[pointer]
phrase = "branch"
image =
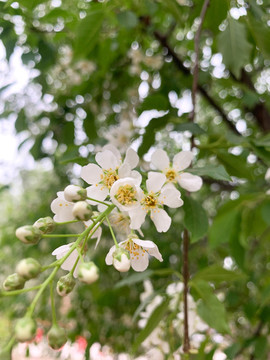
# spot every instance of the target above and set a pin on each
(178, 62)
(186, 345)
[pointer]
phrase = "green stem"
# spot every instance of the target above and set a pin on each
(98, 201)
(67, 222)
(85, 233)
(59, 235)
(111, 230)
(53, 264)
(18, 292)
(9, 346)
(54, 321)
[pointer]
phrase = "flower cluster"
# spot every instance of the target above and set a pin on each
(124, 197)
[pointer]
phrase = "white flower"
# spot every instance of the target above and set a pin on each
(139, 251)
(68, 264)
(174, 173)
(74, 193)
(126, 194)
(120, 135)
(62, 208)
(267, 175)
(110, 168)
(152, 202)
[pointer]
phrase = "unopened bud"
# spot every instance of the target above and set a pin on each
(45, 225)
(25, 329)
(88, 273)
(14, 282)
(28, 234)
(28, 268)
(121, 260)
(65, 285)
(75, 193)
(56, 337)
(82, 210)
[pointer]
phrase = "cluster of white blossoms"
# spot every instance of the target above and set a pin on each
(138, 58)
(114, 180)
(124, 197)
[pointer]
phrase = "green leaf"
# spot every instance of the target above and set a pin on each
(155, 102)
(134, 278)
(260, 33)
(216, 172)
(217, 274)
(209, 308)
(261, 347)
(195, 129)
(235, 165)
(234, 46)
(195, 220)
(222, 229)
(155, 318)
(86, 35)
(215, 14)
(265, 210)
(150, 133)
(127, 19)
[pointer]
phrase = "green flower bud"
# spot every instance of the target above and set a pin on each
(88, 273)
(28, 268)
(65, 285)
(82, 211)
(45, 225)
(56, 337)
(14, 282)
(74, 193)
(121, 259)
(28, 234)
(25, 329)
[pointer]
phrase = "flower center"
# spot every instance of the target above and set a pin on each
(134, 249)
(109, 177)
(126, 195)
(171, 175)
(150, 201)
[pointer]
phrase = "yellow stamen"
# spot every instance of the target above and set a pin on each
(126, 195)
(171, 175)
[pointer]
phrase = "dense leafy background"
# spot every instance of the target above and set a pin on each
(86, 78)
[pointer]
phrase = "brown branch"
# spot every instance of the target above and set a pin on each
(179, 64)
(186, 345)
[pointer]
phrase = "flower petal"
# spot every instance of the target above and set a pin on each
(137, 218)
(161, 220)
(107, 160)
(155, 252)
(132, 158)
(62, 250)
(182, 160)
(137, 176)
(109, 256)
(114, 150)
(97, 192)
(91, 173)
(62, 210)
(190, 182)
(155, 181)
(160, 159)
(140, 262)
(171, 197)
(124, 171)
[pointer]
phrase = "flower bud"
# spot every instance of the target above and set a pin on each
(28, 234)
(14, 282)
(82, 210)
(74, 193)
(25, 329)
(121, 260)
(45, 225)
(56, 337)
(28, 268)
(65, 285)
(88, 273)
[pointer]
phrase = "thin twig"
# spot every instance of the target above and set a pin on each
(197, 55)
(186, 345)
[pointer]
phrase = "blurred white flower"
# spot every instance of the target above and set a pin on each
(120, 135)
